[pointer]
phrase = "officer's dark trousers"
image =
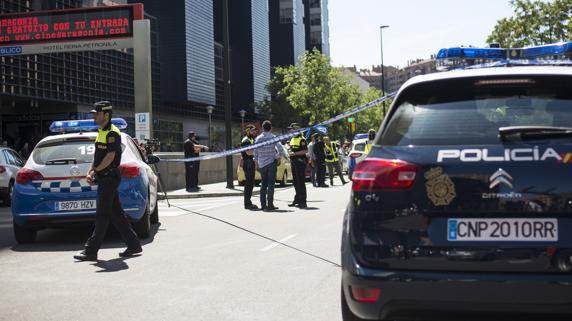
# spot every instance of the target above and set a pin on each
(299, 177)
(249, 172)
(320, 172)
(109, 211)
(192, 175)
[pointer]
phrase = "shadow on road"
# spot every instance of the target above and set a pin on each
(114, 265)
(62, 240)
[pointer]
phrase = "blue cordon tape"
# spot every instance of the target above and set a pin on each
(285, 136)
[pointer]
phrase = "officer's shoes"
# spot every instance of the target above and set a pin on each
(302, 205)
(270, 208)
(131, 252)
(293, 204)
(82, 256)
(324, 185)
(251, 207)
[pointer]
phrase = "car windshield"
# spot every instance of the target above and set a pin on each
(360, 147)
(465, 113)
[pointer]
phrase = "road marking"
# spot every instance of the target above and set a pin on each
(173, 211)
(275, 244)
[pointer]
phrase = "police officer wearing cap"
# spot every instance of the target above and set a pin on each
(249, 167)
(105, 171)
(298, 150)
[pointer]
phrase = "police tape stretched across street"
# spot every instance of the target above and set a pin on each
(285, 136)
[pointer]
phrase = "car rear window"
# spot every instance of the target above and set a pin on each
(359, 147)
(471, 111)
(80, 151)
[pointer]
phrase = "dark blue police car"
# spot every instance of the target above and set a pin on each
(463, 209)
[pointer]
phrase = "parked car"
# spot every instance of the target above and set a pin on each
(51, 190)
(283, 173)
(357, 154)
(10, 164)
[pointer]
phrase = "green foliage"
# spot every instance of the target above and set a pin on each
(314, 91)
(535, 22)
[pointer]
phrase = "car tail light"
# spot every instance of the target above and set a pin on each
(25, 175)
(2, 169)
(372, 175)
(355, 155)
(129, 170)
(365, 295)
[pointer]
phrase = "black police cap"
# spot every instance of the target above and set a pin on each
(102, 106)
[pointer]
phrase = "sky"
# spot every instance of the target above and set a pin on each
(418, 28)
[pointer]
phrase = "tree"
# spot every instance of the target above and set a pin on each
(535, 22)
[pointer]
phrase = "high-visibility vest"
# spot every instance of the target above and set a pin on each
(102, 134)
(367, 149)
(331, 150)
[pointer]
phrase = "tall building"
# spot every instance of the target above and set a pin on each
(250, 52)
(317, 25)
(287, 32)
(35, 90)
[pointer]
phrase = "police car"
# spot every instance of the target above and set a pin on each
(51, 189)
(463, 208)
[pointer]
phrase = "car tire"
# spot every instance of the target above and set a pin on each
(155, 215)
(347, 314)
(284, 179)
(7, 198)
(24, 235)
(143, 226)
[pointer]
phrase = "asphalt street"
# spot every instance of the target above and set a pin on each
(192, 268)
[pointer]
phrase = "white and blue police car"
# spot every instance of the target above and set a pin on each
(52, 191)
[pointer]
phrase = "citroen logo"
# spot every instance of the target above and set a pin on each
(500, 177)
(74, 171)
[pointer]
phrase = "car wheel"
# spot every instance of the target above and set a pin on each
(155, 215)
(347, 314)
(143, 226)
(284, 179)
(24, 235)
(7, 198)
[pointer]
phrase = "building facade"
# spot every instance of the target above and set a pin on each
(35, 90)
(317, 25)
(287, 32)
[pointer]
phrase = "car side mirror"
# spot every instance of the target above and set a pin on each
(152, 159)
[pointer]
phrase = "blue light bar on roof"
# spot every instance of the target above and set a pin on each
(558, 49)
(89, 125)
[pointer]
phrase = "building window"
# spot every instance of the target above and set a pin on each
(316, 37)
(219, 61)
(315, 3)
(315, 19)
(288, 11)
(170, 134)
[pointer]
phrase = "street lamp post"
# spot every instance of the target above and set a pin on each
(382, 66)
(242, 114)
(210, 112)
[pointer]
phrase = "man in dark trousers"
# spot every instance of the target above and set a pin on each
(320, 155)
(249, 167)
(298, 150)
(192, 149)
(105, 171)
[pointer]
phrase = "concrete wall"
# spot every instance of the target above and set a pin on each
(211, 171)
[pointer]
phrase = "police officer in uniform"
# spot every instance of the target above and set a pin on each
(105, 171)
(249, 167)
(298, 150)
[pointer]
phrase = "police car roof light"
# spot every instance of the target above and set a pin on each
(88, 125)
(558, 49)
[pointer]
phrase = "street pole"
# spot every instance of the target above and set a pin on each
(227, 101)
(382, 68)
(242, 114)
(210, 112)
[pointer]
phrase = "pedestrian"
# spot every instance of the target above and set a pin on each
(332, 160)
(320, 154)
(192, 149)
(370, 139)
(25, 151)
(249, 167)
(298, 150)
(312, 160)
(105, 171)
(267, 158)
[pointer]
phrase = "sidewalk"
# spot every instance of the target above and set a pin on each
(208, 190)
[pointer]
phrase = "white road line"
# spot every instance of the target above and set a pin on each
(275, 244)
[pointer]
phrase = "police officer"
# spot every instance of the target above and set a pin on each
(192, 149)
(369, 143)
(298, 150)
(331, 149)
(249, 167)
(105, 171)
